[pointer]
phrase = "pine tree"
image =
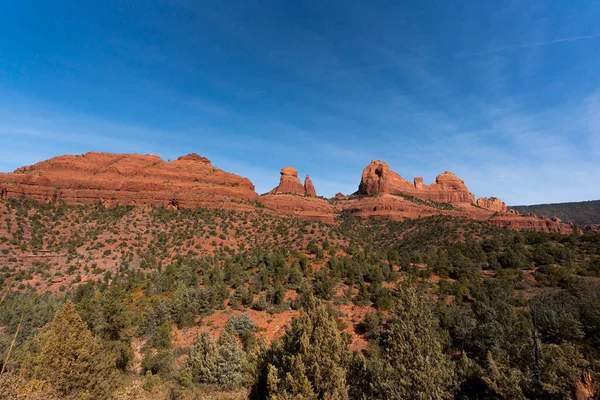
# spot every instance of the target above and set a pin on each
(71, 359)
(231, 364)
(414, 366)
(203, 360)
(311, 360)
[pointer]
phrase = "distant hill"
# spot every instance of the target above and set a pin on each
(580, 213)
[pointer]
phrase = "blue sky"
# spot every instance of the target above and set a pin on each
(506, 94)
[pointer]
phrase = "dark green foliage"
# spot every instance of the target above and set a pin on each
(580, 213)
(497, 296)
(71, 359)
(412, 362)
(221, 362)
(37, 309)
(310, 361)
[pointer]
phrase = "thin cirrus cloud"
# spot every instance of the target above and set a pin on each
(506, 97)
(528, 45)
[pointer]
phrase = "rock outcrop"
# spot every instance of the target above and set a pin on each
(492, 203)
(191, 181)
(308, 207)
(518, 222)
(378, 178)
(128, 179)
(584, 390)
(291, 197)
(289, 182)
(309, 188)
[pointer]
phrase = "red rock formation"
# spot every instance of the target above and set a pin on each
(308, 207)
(385, 206)
(591, 228)
(289, 182)
(309, 188)
(291, 197)
(377, 177)
(194, 157)
(530, 223)
(584, 389)
(392, 207)
(128, 179)
(492, 203)
(191, 181)
(339, 196)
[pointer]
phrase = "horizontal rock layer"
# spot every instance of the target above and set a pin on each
(191, 181)
(127, 179)
(378, 178)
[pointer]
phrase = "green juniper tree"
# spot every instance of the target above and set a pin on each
(412, 364)
(72, 360)
(311, 360)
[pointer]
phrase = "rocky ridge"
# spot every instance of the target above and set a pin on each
(128, 179)
(191, 181)
(378, 178)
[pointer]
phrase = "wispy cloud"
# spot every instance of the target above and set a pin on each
(528, 45)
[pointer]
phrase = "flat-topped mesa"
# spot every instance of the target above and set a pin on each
(492, 203)
(377, 177)
(309, 188)
(290, 183)
(127, 179)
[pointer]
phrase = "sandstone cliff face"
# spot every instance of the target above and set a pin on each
(127, 179)
(492, 203)
(378, 178)
(191, 181)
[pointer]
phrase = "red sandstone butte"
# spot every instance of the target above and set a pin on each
(289, 182)
(128, 179)
(191, 181)
(291, 197)
(378, 178)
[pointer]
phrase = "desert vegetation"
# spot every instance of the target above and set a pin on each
(149, 303)
(580, 213)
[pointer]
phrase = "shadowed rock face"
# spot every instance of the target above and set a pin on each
(127, 179)
(378, 178)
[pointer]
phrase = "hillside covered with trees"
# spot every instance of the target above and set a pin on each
(579, 213)
(148, 303)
